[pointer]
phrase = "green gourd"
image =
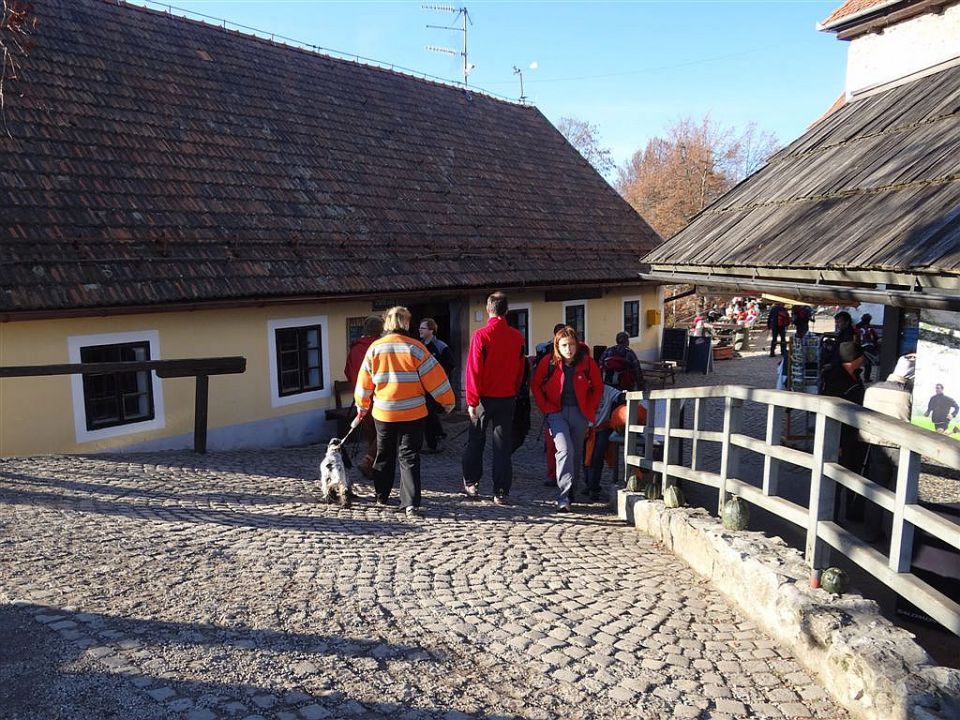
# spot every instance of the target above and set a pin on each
(653, 490)
(834, 580)
(673, 497)
(633, 484)
(736, 514)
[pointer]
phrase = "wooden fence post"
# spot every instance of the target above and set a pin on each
(771, 466)
(826, 444)
(730, 454)
(901, 536)
(200, 415)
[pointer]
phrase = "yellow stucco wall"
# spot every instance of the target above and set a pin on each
(604, 316)
(37, 413)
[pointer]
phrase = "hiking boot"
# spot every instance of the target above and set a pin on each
(500, 499)
(563, 507)
(384, 502)
(471, 489)
(413, 511)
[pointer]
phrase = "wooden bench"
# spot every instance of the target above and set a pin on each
(660, 371)
(342, 415)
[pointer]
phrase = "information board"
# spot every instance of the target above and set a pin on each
(673, 346)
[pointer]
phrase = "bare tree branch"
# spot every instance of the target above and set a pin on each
(16, 25)
(585, 137)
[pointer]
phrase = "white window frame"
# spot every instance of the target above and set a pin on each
(586, 316)
(531, 342)
(74, 345)
(276, 400)
(639, 301)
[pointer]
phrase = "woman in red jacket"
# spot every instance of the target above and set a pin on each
(567, 388)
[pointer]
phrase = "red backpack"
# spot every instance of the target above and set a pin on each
(783, 318)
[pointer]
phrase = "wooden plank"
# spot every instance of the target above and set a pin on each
(701, 477)
(870, 490)
(937, 605)
(931, 522)
(797, 514)
(164, 368)
(695, 434)
(781, 453)
(200, 415)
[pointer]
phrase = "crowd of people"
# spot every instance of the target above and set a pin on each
(402, 388)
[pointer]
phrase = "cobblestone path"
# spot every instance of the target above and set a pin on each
(219, 587)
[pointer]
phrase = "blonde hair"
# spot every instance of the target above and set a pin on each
(396, 319)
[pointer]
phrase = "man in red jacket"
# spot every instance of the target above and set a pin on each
(494, 374)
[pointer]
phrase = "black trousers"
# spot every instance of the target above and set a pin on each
(781, 334)
(432, 429)
(498, 414)
(398, 440)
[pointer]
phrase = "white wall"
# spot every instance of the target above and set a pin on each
(900, 50)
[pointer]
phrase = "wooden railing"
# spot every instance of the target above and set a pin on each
(817, 517)
(200, 368)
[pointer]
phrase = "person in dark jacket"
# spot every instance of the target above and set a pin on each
(567, 388)
(842, 380)
(941, 409)
(778, 321)
(493, 377)
(432, 429)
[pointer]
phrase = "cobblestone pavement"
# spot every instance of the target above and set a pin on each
(218, 586)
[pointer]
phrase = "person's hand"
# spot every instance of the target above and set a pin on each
(472, 412)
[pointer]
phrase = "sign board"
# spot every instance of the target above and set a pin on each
(673, 346)
(699, 355)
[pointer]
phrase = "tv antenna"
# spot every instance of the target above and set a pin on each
(517, 71)
(462, 15)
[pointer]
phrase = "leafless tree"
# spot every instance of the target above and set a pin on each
(585, 137)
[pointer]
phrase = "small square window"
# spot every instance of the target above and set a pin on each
(299, 359)
(120, 398)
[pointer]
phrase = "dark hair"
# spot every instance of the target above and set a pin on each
(843, 315)
(430, 323)
(622, 337)
(567, 332)
(373, 325)
(558, 327)
(497, 304)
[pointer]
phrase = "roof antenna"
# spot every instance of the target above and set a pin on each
(461, 14)
(517, 71)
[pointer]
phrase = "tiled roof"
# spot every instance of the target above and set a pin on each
(158, 160)
(874, 186)
(851, 7)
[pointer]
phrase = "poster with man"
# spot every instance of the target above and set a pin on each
(936, 390)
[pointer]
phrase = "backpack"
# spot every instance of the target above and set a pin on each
(783, 318)
(616, 372)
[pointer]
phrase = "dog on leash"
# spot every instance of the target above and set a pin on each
(334, 479)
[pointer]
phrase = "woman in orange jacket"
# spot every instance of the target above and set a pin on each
(567, 388)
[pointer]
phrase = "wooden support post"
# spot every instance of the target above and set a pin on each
(648, 435)
(771, 466)
(826, 445)
(730, 453)
(695, 444)
(901, 536)
(668, 413)
(200, 415)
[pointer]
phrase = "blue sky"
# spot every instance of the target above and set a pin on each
(631, 68)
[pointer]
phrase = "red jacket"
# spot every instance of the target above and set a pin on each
(494, 362)
(587, 385)
(355, 358)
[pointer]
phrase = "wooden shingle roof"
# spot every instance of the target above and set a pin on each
(874, 186)
(158, 160)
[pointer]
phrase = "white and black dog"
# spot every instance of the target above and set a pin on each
(334, 478)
